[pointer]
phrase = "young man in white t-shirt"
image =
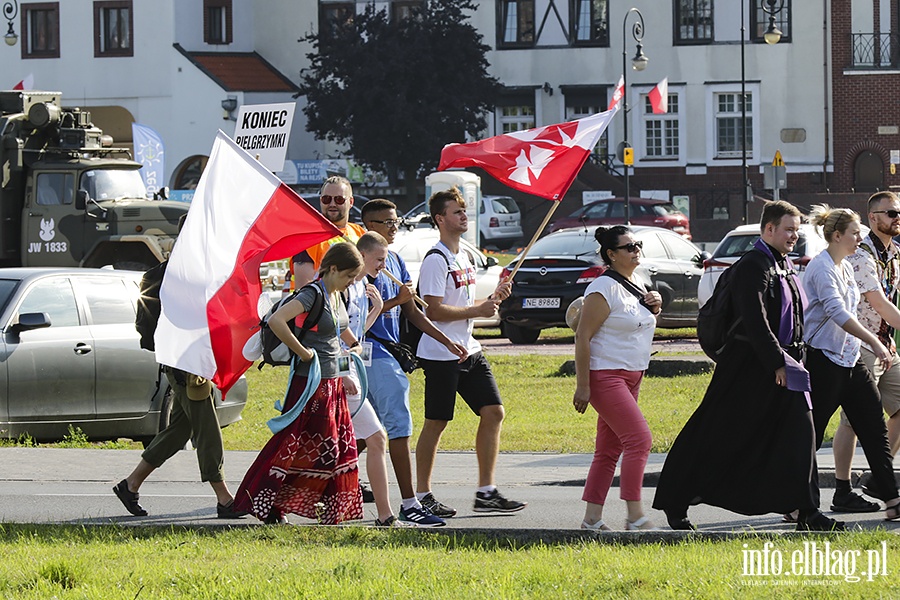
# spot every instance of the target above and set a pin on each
(447, 284)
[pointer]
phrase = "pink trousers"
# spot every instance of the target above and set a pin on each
(622, 431)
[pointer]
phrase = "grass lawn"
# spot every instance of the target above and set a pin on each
(353, 562)
(539, 417)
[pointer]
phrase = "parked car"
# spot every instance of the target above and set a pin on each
(413, 245)
(499, 221)
(70, 355)
(740, 240)
(561, 265)
(611, 211)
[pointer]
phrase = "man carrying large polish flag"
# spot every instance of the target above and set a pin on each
(240, 217)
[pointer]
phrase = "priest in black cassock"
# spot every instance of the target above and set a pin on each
(750, 445)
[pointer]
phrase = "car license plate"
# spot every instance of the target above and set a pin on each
(540, 303)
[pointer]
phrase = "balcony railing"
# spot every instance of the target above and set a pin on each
(875, 50)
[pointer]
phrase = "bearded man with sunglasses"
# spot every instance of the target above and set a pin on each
(335, 200)
(876, 270)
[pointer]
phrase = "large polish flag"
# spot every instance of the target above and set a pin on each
(241, 216)
(543, 161)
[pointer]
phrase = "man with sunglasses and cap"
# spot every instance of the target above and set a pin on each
(876, 270)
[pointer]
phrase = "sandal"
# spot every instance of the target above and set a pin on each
(642, 524)
(892, 512)
(129, 499)
(598, 526)
(791, 517)
(678, 522)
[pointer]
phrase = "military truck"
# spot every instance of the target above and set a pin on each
(70, 199)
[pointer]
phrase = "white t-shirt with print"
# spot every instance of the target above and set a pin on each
(624, 339)
(456, 288)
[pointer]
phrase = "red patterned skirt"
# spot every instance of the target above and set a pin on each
(309, 468)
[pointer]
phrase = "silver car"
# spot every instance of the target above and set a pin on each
(70, 355)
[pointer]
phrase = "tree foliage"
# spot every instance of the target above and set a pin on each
(396, 93)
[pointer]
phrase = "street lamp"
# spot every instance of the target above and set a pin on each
(638, 63)
(10, 11)
(772, 36)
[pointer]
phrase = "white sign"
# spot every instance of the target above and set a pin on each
(263, 130)
(895, 157)
(592, 196)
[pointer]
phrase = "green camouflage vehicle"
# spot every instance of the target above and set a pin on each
(68, 198)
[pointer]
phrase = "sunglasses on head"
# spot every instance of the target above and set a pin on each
(326, 200)
(893, 214)
(631, 246)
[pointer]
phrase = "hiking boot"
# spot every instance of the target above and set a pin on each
(819, 522)
(495, 502)
(420, 517)
(436, 508)
(367, 495)
(853, 503)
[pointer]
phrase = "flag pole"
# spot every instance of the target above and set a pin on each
(390, 276)
(537, 234)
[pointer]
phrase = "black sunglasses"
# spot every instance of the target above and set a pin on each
(893, 214)
(326, 200)
(631, 246)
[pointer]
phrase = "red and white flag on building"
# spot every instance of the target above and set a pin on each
(659, 97)
(25, 84)
(241, 216)
(618, 92)
(543, 161)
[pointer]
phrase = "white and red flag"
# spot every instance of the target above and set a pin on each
(659, 97)
(241, 216)
(25, 84)
(618, 92)
(543, 161)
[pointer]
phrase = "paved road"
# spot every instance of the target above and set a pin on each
(51, 485)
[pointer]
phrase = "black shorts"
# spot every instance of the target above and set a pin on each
(472, 378)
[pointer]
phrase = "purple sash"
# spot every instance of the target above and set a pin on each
(786, 325)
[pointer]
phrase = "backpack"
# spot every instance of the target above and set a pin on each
(148, 306)
(716, 321)
(409, 333)
(274, 351)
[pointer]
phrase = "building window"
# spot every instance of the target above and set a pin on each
(515, 117)
(661, 132)
(590, 22)
(693, 21)
(40, 31)
(334, 16)
(515, 23)
(404, 9)
(113, 28)
(579, 111)
(760, 21)
(217, 21)
(729, 140)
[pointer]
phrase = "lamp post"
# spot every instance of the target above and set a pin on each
(10, 11)
(772, 36)
(638, 63)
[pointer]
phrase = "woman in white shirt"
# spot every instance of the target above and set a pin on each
(612, 351)
(837, 375)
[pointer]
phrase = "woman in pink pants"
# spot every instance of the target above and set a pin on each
(612, 351)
